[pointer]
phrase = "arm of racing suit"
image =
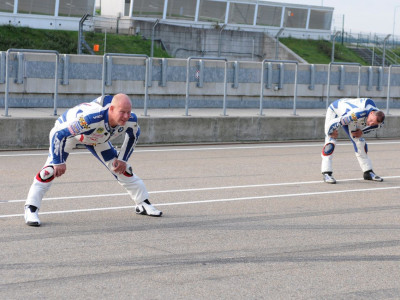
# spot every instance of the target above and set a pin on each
(131, 138)
(61, 132)
(371, 128)
(346, 119)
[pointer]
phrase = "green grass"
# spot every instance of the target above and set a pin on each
(319, 51)
(66, 42)
(123, 44)
(26, 38)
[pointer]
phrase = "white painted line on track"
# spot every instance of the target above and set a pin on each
(214, 201)
(191, 190)
(201, 148)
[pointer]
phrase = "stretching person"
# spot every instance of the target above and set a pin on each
(93, 124)
(356, 116)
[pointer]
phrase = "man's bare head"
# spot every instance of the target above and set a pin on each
(120, 110)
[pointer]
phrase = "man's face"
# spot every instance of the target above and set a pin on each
(372, 119)
(121, 113)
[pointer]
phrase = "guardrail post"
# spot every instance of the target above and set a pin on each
(164, 68)
(65, 78)
(312, 77)
(150, 72)
(235, 66)
(20, 68)
(188, 81)
(370, 78)
(270, 73)
(146, 76)
(200, 72)
(380, 79)
(7, 79)
(342, 78)
(281, 75)
(262, 81)
(2, 66)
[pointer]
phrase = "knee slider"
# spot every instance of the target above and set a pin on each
(328, 149)
(46, 174)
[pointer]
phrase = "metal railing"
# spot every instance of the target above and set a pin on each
(389, 87)
(106, 76)
(103, 79)
(262, 82)
(329, 78)
(188, 81)
(7, 79)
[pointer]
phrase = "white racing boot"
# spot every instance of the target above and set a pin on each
(31, 215)
(370, 175)
(328, 178)
(145, 208)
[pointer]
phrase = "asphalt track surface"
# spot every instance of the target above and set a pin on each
(241, 221)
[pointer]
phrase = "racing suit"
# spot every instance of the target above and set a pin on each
(88, 124)
(351, 114)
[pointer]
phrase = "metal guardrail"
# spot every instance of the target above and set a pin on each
(262, 82)
(187, 81)
(7, 79)
(103, 79)
(389, 87)
(329, 78)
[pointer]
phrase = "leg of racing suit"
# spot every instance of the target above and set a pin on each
(330, 143)
(327, 155)
(107, 154)
(361, 149)
(44, 179)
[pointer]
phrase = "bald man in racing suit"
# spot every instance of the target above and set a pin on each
(356, 116)
(93, 124)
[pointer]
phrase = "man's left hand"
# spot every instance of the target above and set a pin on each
(357, 133)
(334, 134)
(119, 166)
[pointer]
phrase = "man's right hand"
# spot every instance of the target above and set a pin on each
(59, 170)
(334, 134)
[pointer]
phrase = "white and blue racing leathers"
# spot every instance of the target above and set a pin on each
(87, 124)
(351, 114)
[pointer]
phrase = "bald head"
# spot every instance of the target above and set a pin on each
(121, 100)
(120, 110)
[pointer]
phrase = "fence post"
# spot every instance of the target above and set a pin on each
(262, 82)
(7, 80)
(188, 81)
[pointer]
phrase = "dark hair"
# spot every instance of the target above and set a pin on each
(380, 116)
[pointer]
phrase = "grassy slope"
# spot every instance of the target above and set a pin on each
(26, 38)
(123, 44)
(66, 42)
(319, 51)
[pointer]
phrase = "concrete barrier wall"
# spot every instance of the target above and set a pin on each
(24, 133)
(32, 82)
